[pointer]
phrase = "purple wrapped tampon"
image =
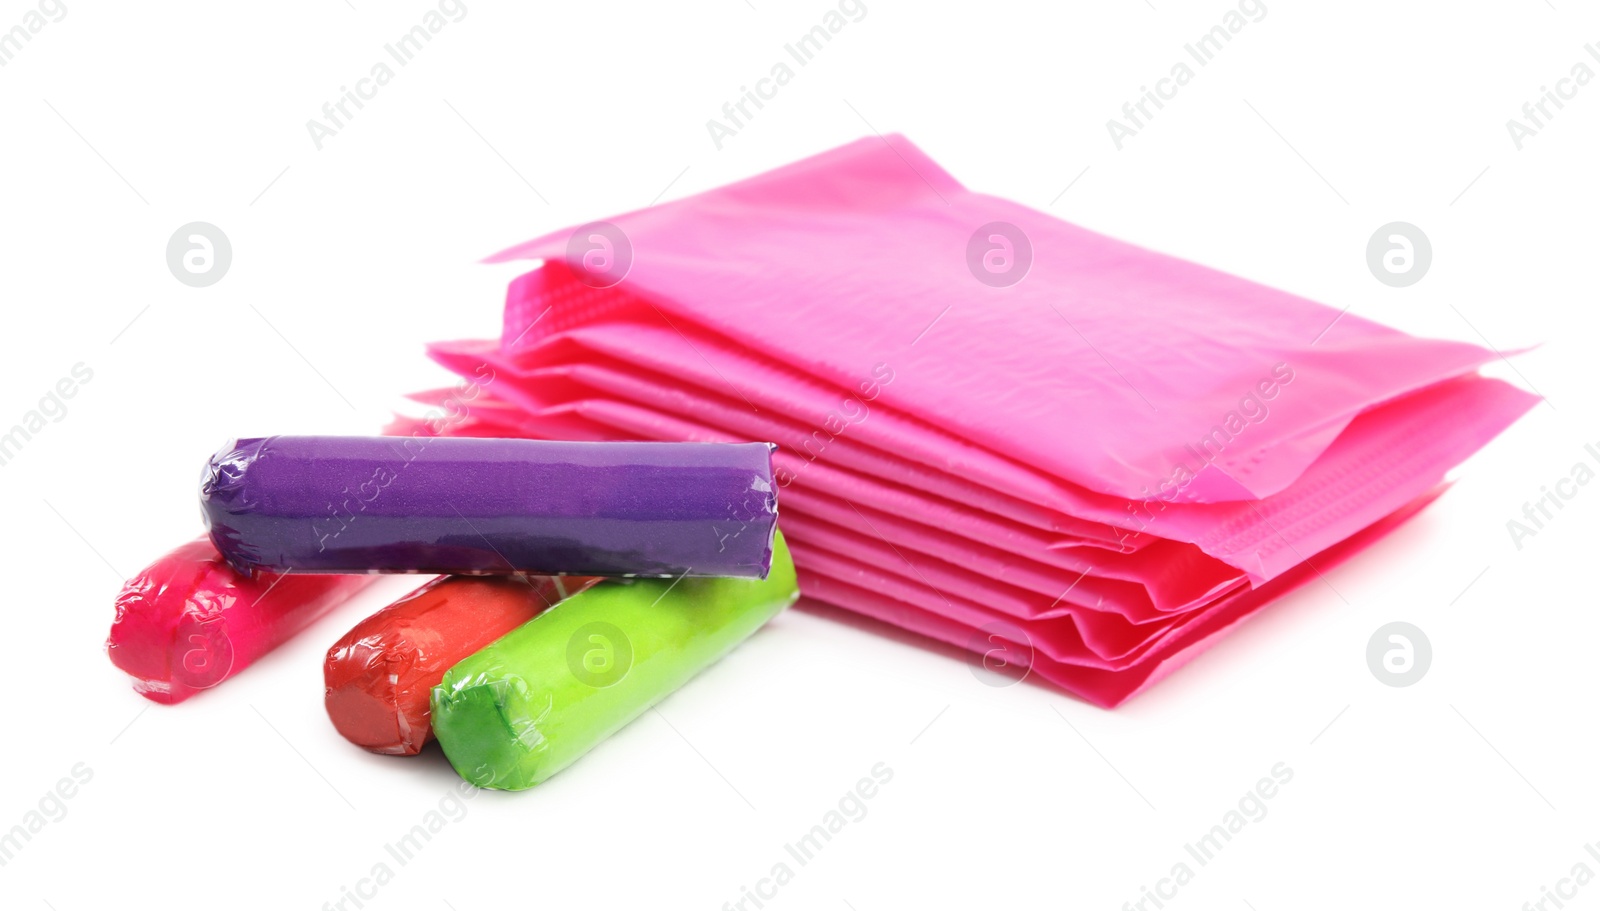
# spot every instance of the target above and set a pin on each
(473, 505)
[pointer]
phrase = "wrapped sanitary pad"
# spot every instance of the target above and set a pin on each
(992, 426)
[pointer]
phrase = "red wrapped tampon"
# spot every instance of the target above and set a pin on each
(379, 675)
(189, 621)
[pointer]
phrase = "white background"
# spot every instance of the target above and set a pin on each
(1471, 789)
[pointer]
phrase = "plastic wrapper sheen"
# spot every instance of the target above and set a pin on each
(539, 697)
(379, 675)
(388, 504)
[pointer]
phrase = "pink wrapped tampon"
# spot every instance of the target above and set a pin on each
(188, 621)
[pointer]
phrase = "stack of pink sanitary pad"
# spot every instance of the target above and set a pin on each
(995, 428)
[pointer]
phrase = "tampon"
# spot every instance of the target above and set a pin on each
(541, 696)
(379, 675)
(471, 506)
(188, 621)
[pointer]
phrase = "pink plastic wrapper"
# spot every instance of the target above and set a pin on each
(189, 621)
(1107, 453)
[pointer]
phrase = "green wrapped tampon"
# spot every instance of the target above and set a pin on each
(530, 703)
